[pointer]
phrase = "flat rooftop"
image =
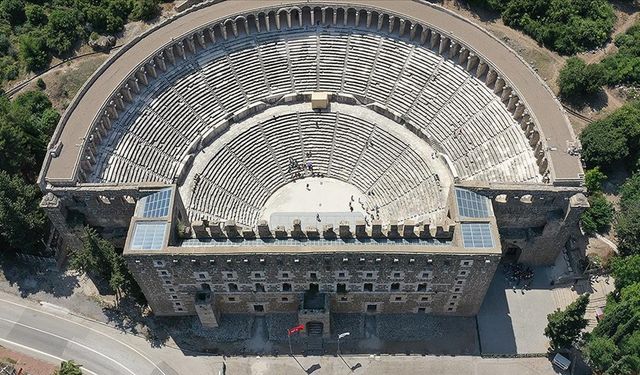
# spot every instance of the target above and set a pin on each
(76, 123)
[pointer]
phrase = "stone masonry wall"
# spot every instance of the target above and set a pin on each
(431, 283)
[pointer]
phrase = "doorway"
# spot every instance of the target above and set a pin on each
(315, 328)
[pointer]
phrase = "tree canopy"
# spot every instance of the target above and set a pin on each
(22, 222)
(614, 139)
(598, 217)
(628, 219)
(613, 348)
(32, 31)
(624, 65)
(26, 123)
(593, 180)
(98, 257)
(564, 327)
(565, 26)
(577, 79)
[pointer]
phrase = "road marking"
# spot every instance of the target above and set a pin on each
(92, 329)
(84, 369)
(70, 341)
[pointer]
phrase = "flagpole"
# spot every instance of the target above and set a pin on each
(290, 350)
(345, 334)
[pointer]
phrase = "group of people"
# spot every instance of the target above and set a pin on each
(516, 273)
(298, 170)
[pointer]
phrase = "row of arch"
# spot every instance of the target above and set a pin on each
(301, 17)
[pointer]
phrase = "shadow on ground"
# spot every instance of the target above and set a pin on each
(32, 278)
(131, 317)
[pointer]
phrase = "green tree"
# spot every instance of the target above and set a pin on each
(613, 139)
(22, 222)
(566, 26)
(621, 326)
(626, 270)
(630, 191)
(34, 52)
(91, 258)
(627, 365)
(624, 66)
(565, 327)
(628, 219)
(601, 353)
(593, 180)
(577, 79)
(145, 10)
(631, 344)
(598, 217)
(69, 368)
(25, 127)
(98, 257)
(36, 15)
(628, 229)
(63, 30)
(12, 11)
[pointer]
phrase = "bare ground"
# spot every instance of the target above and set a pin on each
(27, 364)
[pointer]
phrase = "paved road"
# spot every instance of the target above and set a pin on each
(52, 334)
(56, 338)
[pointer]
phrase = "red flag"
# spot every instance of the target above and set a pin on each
(295, 329)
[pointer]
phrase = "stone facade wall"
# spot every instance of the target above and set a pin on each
(538, 221)
(107, 208)
(431, 283)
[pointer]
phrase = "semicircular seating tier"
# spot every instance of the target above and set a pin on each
(154, 138)
(246, 171)
(457, 111)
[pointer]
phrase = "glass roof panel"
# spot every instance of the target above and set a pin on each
(148, 235)
(471, 204)
(157, 204)
(477, 235)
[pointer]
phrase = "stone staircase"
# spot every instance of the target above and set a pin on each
(315, 345)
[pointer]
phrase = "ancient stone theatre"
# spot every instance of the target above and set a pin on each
(313, 158)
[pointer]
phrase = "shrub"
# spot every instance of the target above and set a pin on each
(33, 51)
(145, 10)
(63, 29)
(599, 216)
(577, 79)
(593, 180)
(40, 83)
(613, 139)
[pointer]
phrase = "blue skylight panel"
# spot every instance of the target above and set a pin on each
(157, 204)
(148, 235)
(477, 235)
(471, 204)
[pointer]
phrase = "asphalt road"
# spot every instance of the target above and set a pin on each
(52, 334)
(54, 337)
